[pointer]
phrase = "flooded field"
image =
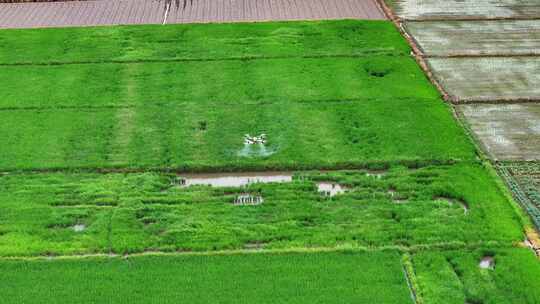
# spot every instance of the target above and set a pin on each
(466, 9)
(486, 79)
(509, 131)
(501, 37)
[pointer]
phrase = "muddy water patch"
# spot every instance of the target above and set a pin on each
(233, 179)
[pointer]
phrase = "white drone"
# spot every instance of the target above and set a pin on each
(252, 140)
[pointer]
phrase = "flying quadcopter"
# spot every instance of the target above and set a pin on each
(252, 140)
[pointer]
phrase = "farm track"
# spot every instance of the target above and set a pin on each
(93, 13)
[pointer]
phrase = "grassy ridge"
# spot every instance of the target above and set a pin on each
(199, 41)
(136, 212)
(255, 278)
(455, 277)
(210, 136)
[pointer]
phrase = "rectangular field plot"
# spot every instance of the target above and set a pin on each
(465, 9)
(211, 136)
(77, 213)
(222, 81)
(488, 276)
(489, 79)
(452, 38)
(507, 131)
(252, 278)
(200, 42)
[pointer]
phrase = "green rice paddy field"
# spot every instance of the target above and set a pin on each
(99, 129)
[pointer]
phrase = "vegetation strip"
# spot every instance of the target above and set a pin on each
(408, 269)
